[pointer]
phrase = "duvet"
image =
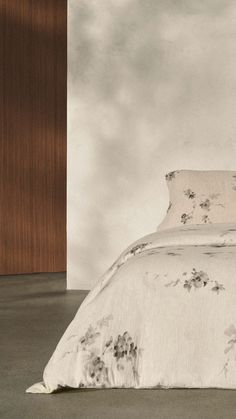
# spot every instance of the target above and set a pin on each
(164, 315)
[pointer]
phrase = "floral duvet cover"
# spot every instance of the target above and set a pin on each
(164, 315)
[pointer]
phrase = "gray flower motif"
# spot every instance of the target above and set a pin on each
(124, 347)
(89, 337)
(206, 219)
(189, 193)
(205, 205)
(97, 370)
(187, 285)
(217, 288)
(138, 248)
(171, 175)
(198, 279)
(185, 218)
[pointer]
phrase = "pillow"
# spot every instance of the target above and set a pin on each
(200, 197)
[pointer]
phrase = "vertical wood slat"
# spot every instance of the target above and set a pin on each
(33, 135)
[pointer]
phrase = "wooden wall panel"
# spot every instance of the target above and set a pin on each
(33, 135)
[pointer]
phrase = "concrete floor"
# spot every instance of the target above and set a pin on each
(34, 312)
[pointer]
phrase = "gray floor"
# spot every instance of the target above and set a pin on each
(34, 312)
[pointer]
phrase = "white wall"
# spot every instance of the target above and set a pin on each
(151, 88)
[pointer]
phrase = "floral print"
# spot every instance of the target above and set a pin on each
(122, 349)
(200, 197)
(199, 201)
(125, 350)
(89, 337)
(206, 219)
(182, 295)
(96, 371)
(138, 248)
(205, 205)
(217, 287)
(171, 175)
(190, 194)
(185, 218)
(196, 280)
(135, 250)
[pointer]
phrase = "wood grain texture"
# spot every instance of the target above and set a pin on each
(33, 135)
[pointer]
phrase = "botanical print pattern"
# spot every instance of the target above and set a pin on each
(195, 280)
(121, 348)
(189, 193)
(177, 289)
(206, 219)
(201, 202)
(135, 250)
(124, 349)
(200, 197)
(185, 218)
(205, 204)
(96, 372)
(171, 175)
(138, 248)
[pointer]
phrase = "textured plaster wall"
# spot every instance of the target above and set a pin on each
(151, 88)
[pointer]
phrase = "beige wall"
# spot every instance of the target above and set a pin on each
(151, 88)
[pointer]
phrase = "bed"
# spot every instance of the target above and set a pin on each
(164, 314)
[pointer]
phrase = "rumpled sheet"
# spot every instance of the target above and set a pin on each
(164, 315)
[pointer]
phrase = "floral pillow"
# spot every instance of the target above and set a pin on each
(200, 197)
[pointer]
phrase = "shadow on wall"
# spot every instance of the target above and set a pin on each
(151, 88)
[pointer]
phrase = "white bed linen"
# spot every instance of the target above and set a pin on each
(163, 315)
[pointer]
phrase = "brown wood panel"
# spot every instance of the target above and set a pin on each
(33, 135)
